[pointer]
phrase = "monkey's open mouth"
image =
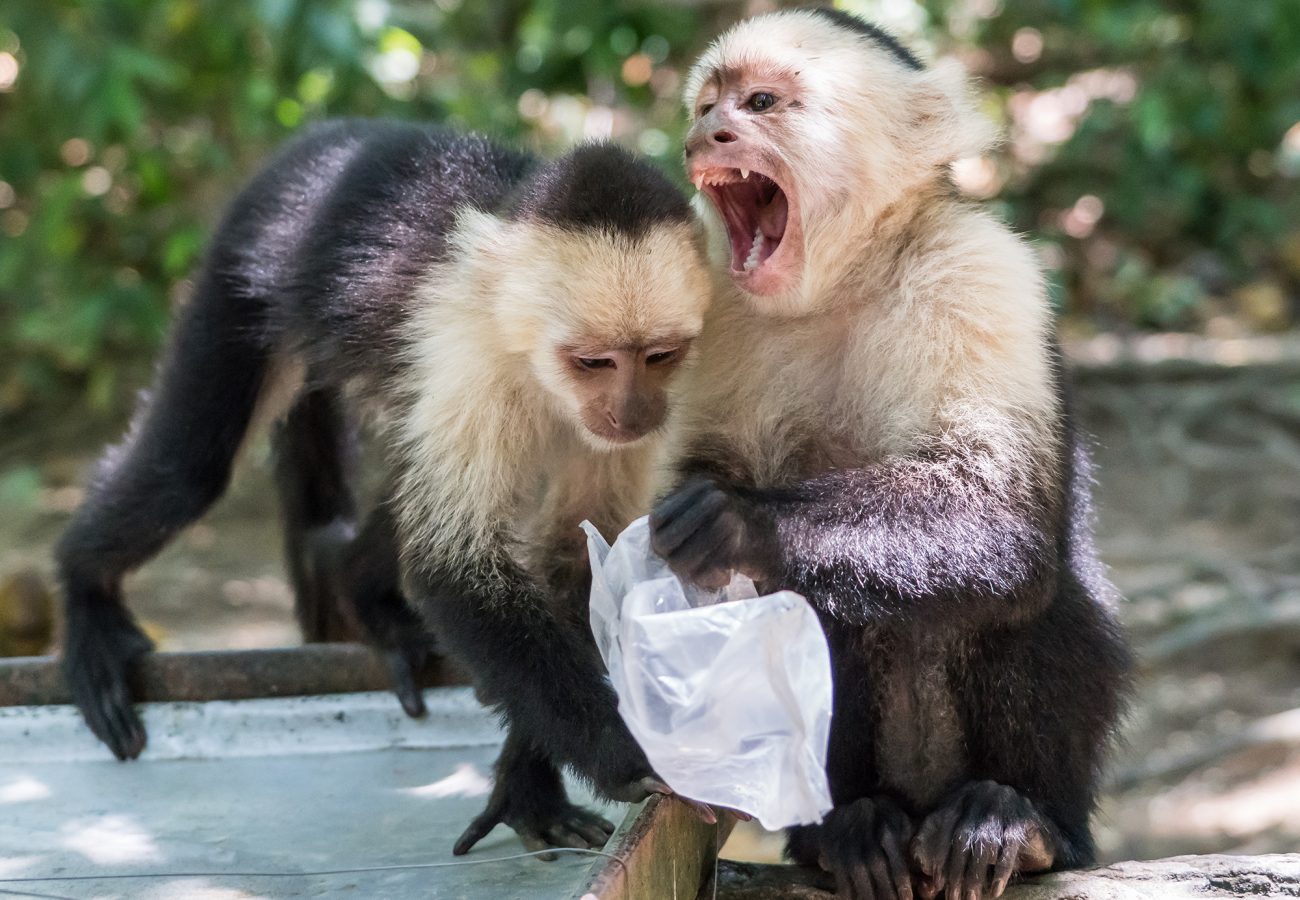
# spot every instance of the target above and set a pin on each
(755, 210)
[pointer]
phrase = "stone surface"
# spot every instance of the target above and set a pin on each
(1276, 875)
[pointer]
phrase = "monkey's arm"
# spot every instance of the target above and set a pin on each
(956, 535)
(543, 675)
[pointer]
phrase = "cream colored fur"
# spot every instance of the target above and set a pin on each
(922, 326)
(491, 449)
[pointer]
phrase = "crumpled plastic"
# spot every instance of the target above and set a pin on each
(728, 693)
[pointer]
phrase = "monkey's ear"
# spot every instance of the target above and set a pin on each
(946, 119)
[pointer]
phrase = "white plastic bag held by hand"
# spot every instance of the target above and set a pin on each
(728, 694)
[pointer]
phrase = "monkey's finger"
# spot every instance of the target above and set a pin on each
(669, 537)
(702, 811)
(561, 836)
(679, 503)
(881, 882)
(594, 832)
(983, 854)
(477, 830)
(404, 671)
(1004, 868)
(861, 879)
(843, 886)
(928, 888)
(899, 873)
(535, 843)
(588, 818)
(703, 558)
(652, 785)
(126, 733)
(954, 874)
(933, 844)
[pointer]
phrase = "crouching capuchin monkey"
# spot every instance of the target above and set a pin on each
(879, 422)
(512, 328)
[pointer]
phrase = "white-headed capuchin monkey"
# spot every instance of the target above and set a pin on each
(879, 421)
(513, 328)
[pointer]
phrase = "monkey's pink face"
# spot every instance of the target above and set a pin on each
(733, 156)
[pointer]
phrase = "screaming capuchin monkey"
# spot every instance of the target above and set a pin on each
(879, 422)
(512, 328)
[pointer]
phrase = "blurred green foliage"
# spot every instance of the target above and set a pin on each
(1153, 144)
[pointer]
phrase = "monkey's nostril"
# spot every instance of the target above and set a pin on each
(723, 137)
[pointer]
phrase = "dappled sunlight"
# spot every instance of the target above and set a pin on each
(111, 839)
(18, 866)
(466, 781)
(23, 789)
(198, 889)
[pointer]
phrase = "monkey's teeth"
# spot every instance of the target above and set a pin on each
(751, 262)
(744, 174)
(699, 181)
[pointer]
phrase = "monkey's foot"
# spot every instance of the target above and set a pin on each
(977, 839)
(864, 845)
(100, 644)
(541, 823)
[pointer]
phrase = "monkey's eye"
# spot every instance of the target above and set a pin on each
(595, 362)
(704, 110)
(663, 356)
(761, 101)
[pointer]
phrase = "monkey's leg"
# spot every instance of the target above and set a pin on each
(372, 581)
(864, 840)
(173, 464)
(344, 581)
(313, 476)
(529, 797)
(1038, 704)
(544, 677)
(980, 836)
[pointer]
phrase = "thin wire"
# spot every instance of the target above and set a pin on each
(34, 894)
(357, 870)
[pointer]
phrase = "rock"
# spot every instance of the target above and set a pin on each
(1180, 876)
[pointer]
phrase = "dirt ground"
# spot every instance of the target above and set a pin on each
(1199, 508)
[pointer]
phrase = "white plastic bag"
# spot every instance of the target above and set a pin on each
(728, 693)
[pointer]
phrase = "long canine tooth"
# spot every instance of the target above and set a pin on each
(698, 181)
(744, 174)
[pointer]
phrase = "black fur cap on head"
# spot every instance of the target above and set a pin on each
(866, 29)
(601, 186)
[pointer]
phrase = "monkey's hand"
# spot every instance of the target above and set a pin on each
(864, 845)
(705, 532)
(977, 839)
(101, 642)
(529, 796)
(618, 769)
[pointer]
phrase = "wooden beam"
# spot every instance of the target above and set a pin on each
(225, 675)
